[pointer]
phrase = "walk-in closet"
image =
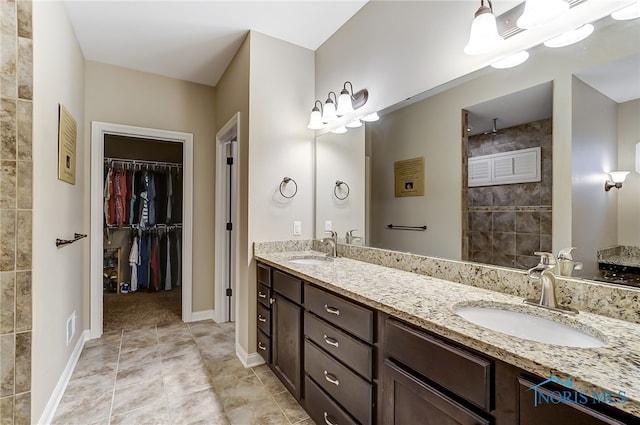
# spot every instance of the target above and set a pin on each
(142, 241)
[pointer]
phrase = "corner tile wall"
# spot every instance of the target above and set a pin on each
(508, 223)
(16, 90)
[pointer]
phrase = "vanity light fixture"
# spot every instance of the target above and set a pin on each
(570, 37)
(626, 13)
(371, 117)
(348, 101)
(315, 119)
(354, 124)
(511, 61)
(616, 178)
(339, 130)
(484, 36)
(540, 12)
(329, 111)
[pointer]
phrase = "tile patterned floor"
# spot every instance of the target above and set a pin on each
(173, 374)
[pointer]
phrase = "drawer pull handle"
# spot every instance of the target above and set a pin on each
(330, 341)
(261, 346)
(332, 310)
(331, 378)
(272, 300)
(327, 421)
(261, 318)
(261, 295)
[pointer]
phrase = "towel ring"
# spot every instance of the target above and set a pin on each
(284, 182)
(335, 190)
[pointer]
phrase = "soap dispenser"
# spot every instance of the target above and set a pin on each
(566, 265)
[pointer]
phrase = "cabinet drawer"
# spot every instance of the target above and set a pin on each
(264, 274)
(461, 372)
(321, 408)
(287, 285)
(352, 392)
(264, 346)
(345, 314)
(408, 400)
(263, 319)
(264, 294)
(352, 352)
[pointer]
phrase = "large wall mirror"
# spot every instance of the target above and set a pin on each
(580, 104)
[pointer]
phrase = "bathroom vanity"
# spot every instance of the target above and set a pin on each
(359, 343)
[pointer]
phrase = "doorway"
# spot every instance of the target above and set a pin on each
(227, 221)
(100, 131)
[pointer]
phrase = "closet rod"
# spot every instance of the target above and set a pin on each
(143, 162)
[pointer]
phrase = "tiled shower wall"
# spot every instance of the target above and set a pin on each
(508, 223)
(16, 89)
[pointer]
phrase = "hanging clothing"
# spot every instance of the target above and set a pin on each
(134, 262)
(107, 196)
(167, 276)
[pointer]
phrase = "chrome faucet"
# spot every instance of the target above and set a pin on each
(333, 242)
(350, 238)
(544, 273)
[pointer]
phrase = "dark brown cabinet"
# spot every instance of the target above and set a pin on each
(286, 336)
(263, 311)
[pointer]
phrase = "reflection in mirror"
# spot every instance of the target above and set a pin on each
(429, 125)
(509, 175)
(340, 189)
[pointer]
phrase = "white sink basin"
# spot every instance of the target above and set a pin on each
(314, 260)
(528, 326)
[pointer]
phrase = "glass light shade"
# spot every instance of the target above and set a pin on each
(355, 124)
(329, 112)
(344, 103)
(570, 37)
(511, 61)
(630, 12)
(371, 117)
(484, 35)
(540, 12)
(315, 120)
(339, 130)
(618, 176)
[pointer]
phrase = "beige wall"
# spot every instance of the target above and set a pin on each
(629, 195)
(232, 96)
(281, 95)
(122, 96)
(59, 275)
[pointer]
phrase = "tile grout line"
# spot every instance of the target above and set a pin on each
(115, 378)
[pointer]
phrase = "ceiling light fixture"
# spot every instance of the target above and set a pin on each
(484, 36)
(626, 13)
(541, 12)
(570, 37)
(512, 60)
(315, 119)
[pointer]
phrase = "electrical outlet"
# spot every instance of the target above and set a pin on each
(297, 228)
(328, 225)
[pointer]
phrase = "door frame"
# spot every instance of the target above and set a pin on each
(231, 130)
(98, 131)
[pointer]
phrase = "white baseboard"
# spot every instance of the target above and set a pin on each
(196, 316)
(58, 392)
(248, 360)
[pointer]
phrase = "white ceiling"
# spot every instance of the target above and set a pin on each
(618, 80)
(196, 40)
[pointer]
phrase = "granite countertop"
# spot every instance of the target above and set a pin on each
(429, 303)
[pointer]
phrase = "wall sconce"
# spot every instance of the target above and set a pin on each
(348, 102)
(616, 180)
(484, 35)
(329, 111)
(315, 119)
(540, 12)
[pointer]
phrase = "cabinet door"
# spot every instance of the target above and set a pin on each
(407, 400)
(286, 343)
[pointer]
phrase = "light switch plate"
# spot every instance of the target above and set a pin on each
(328, 225)
(297, 228)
